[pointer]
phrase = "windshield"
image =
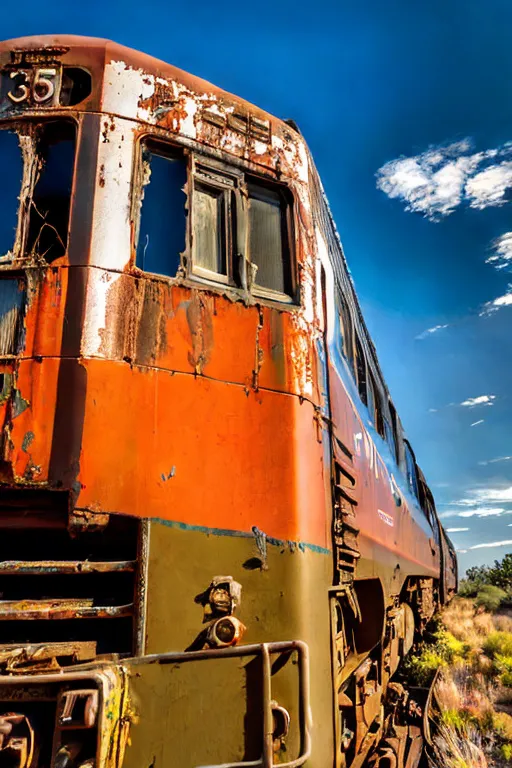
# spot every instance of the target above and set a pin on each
(37, 161)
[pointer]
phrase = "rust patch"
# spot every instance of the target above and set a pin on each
(199, 317)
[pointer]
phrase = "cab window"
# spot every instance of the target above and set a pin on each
(269, 238)
(38, 162)
(162, 219)
(233, 229)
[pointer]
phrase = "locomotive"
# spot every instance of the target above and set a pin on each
(216, 544)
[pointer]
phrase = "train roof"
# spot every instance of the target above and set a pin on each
(97, 53)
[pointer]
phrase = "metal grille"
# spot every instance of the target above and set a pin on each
(65, 592)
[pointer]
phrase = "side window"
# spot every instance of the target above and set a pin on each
(372, 397)
(346, 329)
(269, 238)
(162, 221)
(212, 220)
(412, 479)
(361, 370)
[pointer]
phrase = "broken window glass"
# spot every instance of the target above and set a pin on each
(51, 199)
(11, 162)
(209, 229)
(268, 238)
(162, 226)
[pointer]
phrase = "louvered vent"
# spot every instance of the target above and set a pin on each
(58, 588)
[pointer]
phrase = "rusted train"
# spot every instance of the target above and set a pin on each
(216, 545)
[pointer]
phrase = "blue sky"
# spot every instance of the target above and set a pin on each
(407, 110)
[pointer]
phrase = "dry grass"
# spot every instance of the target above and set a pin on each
(474, 727)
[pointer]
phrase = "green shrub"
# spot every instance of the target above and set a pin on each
(468, 588)
(421, 668)
(506, 752)
(490, 597)
(498, 643)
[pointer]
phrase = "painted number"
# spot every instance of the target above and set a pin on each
(38, 86)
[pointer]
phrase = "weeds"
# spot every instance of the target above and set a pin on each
(473, 691)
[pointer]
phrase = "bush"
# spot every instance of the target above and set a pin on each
(506, 752)
(490, 597)
(502, 724)
(498, 643)
(469, 588)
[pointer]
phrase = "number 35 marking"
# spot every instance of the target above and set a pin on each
(41, 88)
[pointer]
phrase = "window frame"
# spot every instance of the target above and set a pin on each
(409, 453)
(168, 150)
(287, 238)
(29, 126)
(206, 174)
(226, 177)
(347, 329)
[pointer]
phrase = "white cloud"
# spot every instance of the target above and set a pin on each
(481, 400)
(495, 461)
(496, 304)
(493, 495)
(484, 512)
(502, 252)
(475, 423)
(440, 179)
(489, 187)
(476, 512)
(456, 530)
(429, 331)
(506, 543)
(461, 551)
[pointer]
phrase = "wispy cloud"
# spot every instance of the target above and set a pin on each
(477, 512)
(480, 400)
(501, 258)
(430, 331)
(481, 502)
(495, 461)
(436, 182)
(493, 495)
(506, 543)
(502, 301)
(475, 423)
(456, 530)
(484, 512)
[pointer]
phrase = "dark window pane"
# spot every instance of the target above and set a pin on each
(268, 246)
(361, 371)
(412, 480)
(346, 330)
(371, 400)
(51, 200)
(209, 229)
(11, 163)
(163, 216)
(389, 436)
